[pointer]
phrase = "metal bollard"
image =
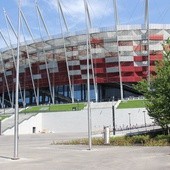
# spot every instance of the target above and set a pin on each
(0, 128)
(106, 135)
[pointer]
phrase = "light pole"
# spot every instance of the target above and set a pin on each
(4, 108)
(144, 116)
(129, 122)
(78, 104)
(25, 107)
(88, 78)
(17, 88)
(113, 116)
(49, 105)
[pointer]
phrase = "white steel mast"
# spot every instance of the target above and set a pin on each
(91, 57)
(16, 130)
(117, 41)
(60, 12)
(147, 37)
(40, 18)
(88, 80)
(8, 21)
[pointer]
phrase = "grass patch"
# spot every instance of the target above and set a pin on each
(82, 141)
(2, 117)
(138, 140)
(132, 104)
(54, 108)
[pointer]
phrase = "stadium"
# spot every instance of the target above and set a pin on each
(55, 69)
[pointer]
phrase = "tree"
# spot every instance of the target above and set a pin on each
(157, 91)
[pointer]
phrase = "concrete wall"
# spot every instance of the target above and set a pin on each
(76, 121)
(26, 127)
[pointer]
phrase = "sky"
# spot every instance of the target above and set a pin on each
(101, 12)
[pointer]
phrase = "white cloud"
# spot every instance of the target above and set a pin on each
(75, 8)
(75, 12)
(12, 39)
(25, 3)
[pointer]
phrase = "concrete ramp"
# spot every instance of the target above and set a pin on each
(8, 123)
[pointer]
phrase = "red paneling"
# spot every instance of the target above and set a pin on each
(156, 37)
(156, 57)
(101, 80)
(128, 79)
(137, 79)
(127, 68)
(140, 58)
(140, 48)
(99, 70)
(127, 63)
(111, 65)
(98, 60)
(125, 43)
(138, 69)
(96, 41)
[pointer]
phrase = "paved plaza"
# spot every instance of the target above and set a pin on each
(37, 153)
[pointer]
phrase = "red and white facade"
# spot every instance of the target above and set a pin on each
(131, 50)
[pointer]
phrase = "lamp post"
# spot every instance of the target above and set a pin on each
(24, 107)
(4, 108)
(78, 104)
(129, 122)
(88, 77)
(144, 116)
(49, 104)
(17, 89)
(113, 116)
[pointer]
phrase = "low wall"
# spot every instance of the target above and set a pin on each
(77, 121)
(28, 126)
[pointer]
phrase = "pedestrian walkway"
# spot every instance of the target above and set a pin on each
(37, 153)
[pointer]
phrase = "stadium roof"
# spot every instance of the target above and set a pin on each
(101, 13)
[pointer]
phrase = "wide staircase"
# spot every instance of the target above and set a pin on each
(100, 105)
(8, 123)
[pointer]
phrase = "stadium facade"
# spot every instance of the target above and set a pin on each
(54, 70)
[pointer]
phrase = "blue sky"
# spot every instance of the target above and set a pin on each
(101, 11)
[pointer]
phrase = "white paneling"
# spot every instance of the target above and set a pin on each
(112, 69)
(111, 59)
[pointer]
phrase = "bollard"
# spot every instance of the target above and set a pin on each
(33, 129)
(106, 135)
(0, 127)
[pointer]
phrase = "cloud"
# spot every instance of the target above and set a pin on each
(25, 3)
(12, 39)
(75, 12)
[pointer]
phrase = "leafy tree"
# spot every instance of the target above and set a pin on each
(157, 92)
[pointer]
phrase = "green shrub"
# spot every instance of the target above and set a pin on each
(140, 139)
(163, 137)
(153, 142)
(83, 141)
(144, 140)
(120, 141)
(97, 141)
